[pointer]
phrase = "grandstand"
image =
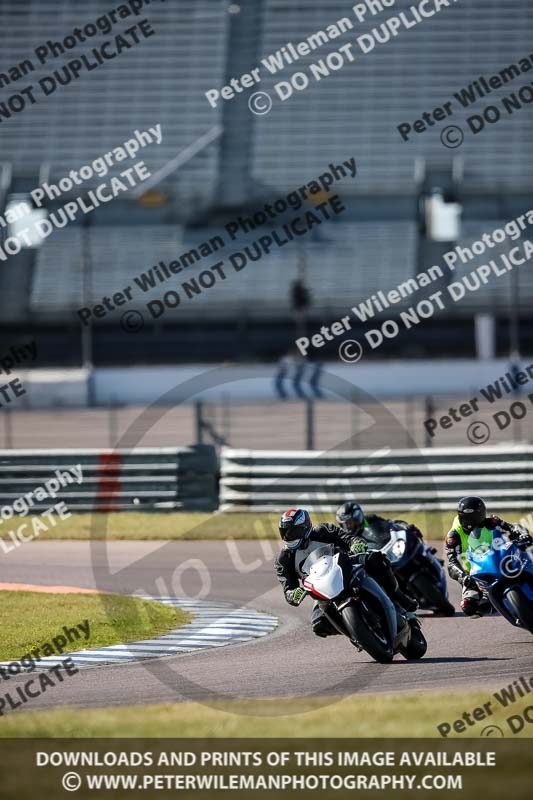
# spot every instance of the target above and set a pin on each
(357, 110)
(380, 241)
(58, 287)
(159, 82)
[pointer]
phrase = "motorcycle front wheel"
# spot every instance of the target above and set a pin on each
(433, 595)
(417, 645)
(374, 642)
(522, 608)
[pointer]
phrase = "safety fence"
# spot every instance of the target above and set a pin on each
(194, 479)
(425, 479)
(290, 425)
(144, 479)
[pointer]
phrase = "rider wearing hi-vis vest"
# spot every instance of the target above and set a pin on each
(472, 529)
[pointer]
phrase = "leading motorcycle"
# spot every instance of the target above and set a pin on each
(357, 606)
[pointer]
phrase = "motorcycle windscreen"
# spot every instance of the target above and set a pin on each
(323, 572)
(306, 556)
(376, 537)
(313, 555)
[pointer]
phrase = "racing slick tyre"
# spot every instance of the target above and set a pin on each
(433, 596)
(374, 641)
(417, 646)
(522, 608)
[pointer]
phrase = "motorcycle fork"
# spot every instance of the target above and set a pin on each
(496, 596)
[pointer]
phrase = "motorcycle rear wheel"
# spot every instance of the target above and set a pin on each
(359, 631)
(522, 607)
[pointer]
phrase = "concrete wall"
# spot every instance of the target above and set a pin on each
(248, 383)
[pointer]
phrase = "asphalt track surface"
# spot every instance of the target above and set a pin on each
(291, 662)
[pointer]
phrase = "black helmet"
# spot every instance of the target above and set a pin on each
(472, 512)
(294, 527)
(351, 518)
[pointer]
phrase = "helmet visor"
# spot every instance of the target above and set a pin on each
(294, 544)
(293, 532)
(473, 518)
(351, 525)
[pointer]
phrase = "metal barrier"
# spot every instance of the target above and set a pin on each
(145, 479)
(185, 478)
(425, 479)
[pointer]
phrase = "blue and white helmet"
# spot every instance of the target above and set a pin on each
(294, 527)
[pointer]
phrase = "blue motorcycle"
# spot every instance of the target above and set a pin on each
(504, 572)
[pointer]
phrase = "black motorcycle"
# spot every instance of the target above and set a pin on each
(415, 565)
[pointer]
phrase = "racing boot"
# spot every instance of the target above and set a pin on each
(321, 625)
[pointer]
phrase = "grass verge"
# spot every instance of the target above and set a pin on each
(362, 716)
(197, 526)
(31, 619)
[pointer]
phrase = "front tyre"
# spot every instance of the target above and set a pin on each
(417, 645)
(521, 607)
(433, 595)
(375, 643)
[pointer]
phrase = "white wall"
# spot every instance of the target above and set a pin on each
(248, 383)
(48, 388)
(257, 382)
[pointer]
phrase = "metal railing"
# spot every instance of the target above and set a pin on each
(412, 480)
(144, 479)
(289, 425)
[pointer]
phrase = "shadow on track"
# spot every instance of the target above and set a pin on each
(453, 660)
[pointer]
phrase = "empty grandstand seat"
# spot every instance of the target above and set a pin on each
(355, 111)
(161, 80)
(364, 255)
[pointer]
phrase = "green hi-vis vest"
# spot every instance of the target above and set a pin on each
(483, 542)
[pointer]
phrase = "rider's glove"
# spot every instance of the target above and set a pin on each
(520, 534)
(358, 546)
(296, 596)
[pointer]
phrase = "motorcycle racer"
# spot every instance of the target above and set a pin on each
(300, 536)
(352, 519)
(472, 526)
(375, 531)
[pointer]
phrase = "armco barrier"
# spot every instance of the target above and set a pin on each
(143, 479)
(431, 478)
